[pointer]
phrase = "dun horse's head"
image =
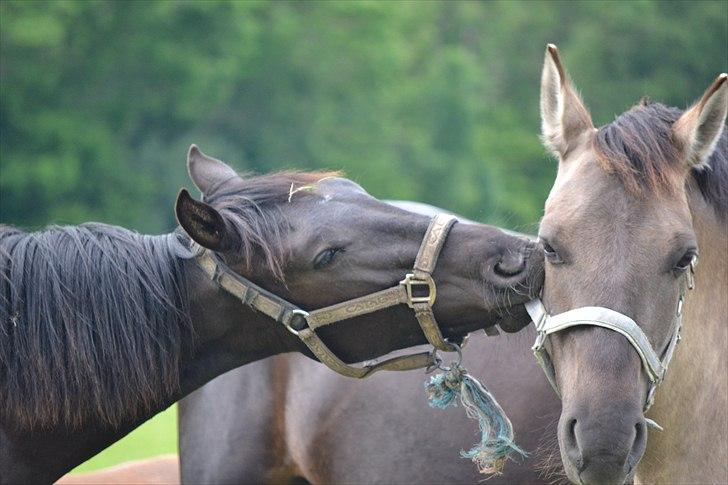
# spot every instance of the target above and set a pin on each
(317, 239)
(617, 233)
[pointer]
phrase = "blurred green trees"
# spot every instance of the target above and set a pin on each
(432, 101)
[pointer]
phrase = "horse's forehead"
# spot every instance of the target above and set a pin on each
(585, 193)
(580, 186)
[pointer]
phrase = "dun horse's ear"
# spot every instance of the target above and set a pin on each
(698, 130)
(202, 222)
(207, 172)
(563, 114)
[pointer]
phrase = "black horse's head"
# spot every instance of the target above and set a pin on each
(317, 239)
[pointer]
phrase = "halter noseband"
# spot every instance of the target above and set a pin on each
(654, 366)
(417, 290)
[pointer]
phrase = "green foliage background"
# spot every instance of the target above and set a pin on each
(431, 101)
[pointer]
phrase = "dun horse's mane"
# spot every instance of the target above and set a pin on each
(91, 323)
(250, 203)
(639, 149)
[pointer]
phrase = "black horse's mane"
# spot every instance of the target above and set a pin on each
(91, 323)
(638, 148)
(92, 316)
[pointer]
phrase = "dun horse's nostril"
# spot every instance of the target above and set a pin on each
(639, 444)
(510, 265)
(572, 445)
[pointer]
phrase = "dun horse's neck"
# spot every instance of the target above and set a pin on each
(692, 404)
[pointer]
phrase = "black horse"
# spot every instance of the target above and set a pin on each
(101, 328)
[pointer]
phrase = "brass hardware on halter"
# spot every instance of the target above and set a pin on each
(410, 283)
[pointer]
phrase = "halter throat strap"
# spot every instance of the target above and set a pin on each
(417, 290)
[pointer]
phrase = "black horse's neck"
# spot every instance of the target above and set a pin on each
(228, 333)
(193, 332)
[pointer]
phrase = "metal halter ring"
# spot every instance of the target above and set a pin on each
(438, 361)
(297, 315)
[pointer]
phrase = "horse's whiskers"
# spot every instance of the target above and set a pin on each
(549, 463)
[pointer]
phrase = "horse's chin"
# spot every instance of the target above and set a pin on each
(512, 320)
(515, 319)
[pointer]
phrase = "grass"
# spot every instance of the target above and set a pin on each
(155, 437)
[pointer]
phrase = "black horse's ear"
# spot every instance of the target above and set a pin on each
(203, 223)
(207, 172)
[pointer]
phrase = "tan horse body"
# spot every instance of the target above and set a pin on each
(160, 470)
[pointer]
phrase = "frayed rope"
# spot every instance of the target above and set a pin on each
(496, 441)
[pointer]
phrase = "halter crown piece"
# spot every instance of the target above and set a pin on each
(417, 290)
(654, 365)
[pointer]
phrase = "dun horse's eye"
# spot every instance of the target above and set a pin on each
(326, 257)
(550, 253)
(684, 263)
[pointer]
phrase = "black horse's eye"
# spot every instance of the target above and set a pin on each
(326, 257)
(684, 263)
(550, 253)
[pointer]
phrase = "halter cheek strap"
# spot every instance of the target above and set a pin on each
(417, 290)
(654, 365)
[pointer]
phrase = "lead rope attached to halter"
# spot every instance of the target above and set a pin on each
(496, 441)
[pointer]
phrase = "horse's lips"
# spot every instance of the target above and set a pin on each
(515, 319)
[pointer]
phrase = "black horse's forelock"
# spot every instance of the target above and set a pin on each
(251, 204)
(92, 320)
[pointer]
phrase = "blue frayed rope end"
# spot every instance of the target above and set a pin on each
(496, 443)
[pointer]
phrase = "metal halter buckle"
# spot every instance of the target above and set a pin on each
(411, 284)
(691, 273)
(540, 340)
(297, 316)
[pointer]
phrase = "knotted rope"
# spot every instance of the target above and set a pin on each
(496, 441)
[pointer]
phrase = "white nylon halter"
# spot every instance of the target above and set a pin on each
(654, 366)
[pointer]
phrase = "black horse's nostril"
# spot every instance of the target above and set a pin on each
(510, 265)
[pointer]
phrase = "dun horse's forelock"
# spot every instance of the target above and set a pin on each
(638, 147)
(251, 203)
(92, 319)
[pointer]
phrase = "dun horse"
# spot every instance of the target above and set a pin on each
(634, 206)
(101, 327)
(631, 231)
